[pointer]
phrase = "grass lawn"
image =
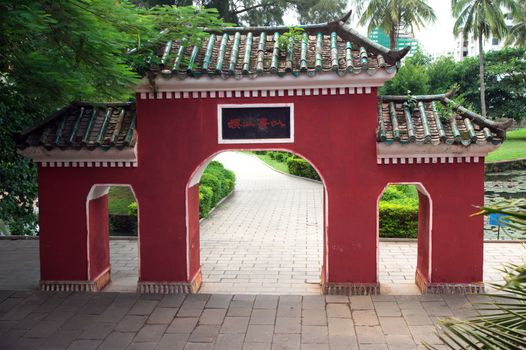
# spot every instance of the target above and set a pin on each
(118, 200)
(273, 163)
(514, 147)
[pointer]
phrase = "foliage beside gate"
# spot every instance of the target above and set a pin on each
(398, 212)
(216, 183)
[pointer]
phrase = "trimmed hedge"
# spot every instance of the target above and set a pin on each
(300, 167)
(123, 225)
(216, 183)
(398, 220)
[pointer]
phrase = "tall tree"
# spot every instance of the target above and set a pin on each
(264, 12)
(55, 51)
(393, 15)
(517, 34)
(482, 19)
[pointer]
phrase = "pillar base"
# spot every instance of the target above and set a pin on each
(96, 285)
(427, 287)
(351, 288)
(171, 287)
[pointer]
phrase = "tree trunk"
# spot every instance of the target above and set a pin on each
(482, 83)
(392, 38)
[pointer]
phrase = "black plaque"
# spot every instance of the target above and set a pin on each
(255, 123)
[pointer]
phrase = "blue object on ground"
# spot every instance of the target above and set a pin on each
(496, 219)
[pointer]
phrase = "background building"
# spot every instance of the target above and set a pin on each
(403, 40)
(470, 46)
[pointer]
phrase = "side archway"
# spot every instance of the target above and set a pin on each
(424, 233)
(98, 233)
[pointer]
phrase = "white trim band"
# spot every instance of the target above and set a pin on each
(169, 95)
(431, 154)
(97, 158)
(429, 160)
(93, 163)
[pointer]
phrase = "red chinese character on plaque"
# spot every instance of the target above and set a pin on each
(279, 123)
(248, 124)
(234, 123)
(263, 123)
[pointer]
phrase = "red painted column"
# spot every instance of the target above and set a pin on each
(457, 237)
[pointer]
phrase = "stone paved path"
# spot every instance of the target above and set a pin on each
(19, 269)
(44, 320)
(267, 237)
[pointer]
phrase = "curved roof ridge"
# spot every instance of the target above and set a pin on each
(84, 125)
(446, 99)
(339, 26)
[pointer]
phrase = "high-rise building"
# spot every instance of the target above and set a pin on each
(470, 46)
(403, 40)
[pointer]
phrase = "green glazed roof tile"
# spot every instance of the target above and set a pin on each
(84, 126)
(275, 54)
(423, 124)
(221, 54)
(246, 56)
(261, 52)
(321, 49)
(234, 53)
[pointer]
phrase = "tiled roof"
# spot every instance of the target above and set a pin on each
(85, 126)
(419, 122)
(254, 51)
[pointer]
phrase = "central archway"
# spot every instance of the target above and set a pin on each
(279, 243)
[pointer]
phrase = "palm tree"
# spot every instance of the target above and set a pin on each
(482, 19)
(502, 324)
(392, 15)
(517, 33)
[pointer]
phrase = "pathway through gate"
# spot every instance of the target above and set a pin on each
(267, 237)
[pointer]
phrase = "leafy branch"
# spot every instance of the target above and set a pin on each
(290, 38)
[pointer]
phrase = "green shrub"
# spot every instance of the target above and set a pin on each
(398, 220)
(300, 167)
(210, 180)
(123, 225)
(216, 183)
(260, 152)
(206, 195)
(132, 209)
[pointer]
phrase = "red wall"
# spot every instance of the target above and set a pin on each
(336, 133)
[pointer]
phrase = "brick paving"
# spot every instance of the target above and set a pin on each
(238, 262)
(19, 266)
(45, 320)
(265, 239)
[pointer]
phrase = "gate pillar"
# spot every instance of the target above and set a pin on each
(457, 237)
(351, 242)
(169, 262)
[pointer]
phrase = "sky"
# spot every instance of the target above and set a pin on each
(436, 38)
